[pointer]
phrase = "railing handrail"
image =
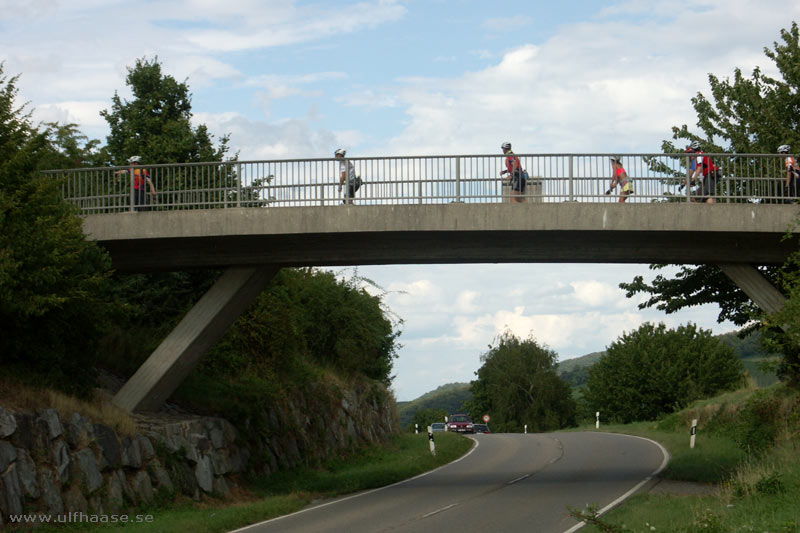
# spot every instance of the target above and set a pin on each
(422, 156)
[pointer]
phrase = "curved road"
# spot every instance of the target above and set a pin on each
(507, 482)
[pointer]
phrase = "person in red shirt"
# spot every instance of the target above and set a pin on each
(710, 171)
(620, 177)
(514, 170)
(141, 180)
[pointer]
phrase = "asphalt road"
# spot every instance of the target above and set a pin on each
(507, 482)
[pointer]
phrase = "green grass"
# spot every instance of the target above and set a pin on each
(405, 456)
(754, 492)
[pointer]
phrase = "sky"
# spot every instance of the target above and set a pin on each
(297, 79)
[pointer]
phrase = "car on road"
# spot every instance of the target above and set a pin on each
(460, 423)
(480, 428)
(438, 426)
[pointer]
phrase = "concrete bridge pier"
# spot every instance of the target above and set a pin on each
(755, 285)
(199, 330)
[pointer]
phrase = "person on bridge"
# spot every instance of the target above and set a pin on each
(792, 172)
(515, 172)
(347, 173)
(710, 171)
(620, 177)
(141, 180)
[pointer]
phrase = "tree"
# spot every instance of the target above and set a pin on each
(306, 315)
(51, 277)
(425, 417)
(518, 385)
(751, 114)
(654, 371)
(156, 124)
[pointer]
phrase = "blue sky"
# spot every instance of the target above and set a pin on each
(296, 79)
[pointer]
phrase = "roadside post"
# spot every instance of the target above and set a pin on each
(430, 441)
(597, 420)
(446, 426)
(693, 433)
(526, 429)
(416, 429)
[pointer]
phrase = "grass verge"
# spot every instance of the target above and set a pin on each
(405, 456)
(754, 490)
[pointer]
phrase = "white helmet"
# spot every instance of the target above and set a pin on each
(135, 159)
(339, 152)
(784, 149)
(616, 159)
(505, 146)
(695, 145)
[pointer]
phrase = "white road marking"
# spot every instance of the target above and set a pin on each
(439, 510)
(622, 498)
(475, 447)
(520, 478)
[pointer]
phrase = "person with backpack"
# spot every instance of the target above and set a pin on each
(710, 175)
(620, 177)
(141, 181)
(792, 172)
(516, 176)
(347, 173)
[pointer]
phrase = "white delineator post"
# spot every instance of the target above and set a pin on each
(693, 433)
(446, 425)
(416, 429)
(597, 420)
(526, 429)
(430, 441)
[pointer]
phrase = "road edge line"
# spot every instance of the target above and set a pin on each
(639, 485)
(359, 494)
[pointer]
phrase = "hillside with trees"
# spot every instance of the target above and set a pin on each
(448, 398)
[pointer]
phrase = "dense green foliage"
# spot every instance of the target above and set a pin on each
(518, 385)
(654, 371)
(308, 315)
(51, 311)
(427, 416)
(156, 123)
(449, 398)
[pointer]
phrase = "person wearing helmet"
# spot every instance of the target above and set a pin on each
(347, 172)
(141, 181)
(792, 172)
(702, 170)
(515, 174)
(620, 177)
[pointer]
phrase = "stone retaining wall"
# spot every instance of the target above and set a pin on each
(54, 463)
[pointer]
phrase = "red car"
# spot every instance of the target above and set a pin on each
(460, 424)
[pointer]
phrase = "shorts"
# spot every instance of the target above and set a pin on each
(627, 188)
(709, 186)
(518, 182)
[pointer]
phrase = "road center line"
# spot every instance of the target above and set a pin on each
(439, 510)
(520, 478)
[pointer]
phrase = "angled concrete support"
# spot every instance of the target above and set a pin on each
(199, 330)
(756, 286)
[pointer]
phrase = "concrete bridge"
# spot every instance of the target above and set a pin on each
(216, 218)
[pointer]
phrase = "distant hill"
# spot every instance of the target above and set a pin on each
(450, 397)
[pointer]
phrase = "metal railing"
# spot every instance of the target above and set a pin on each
(753, 178)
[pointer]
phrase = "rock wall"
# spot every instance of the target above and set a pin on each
(56, 463)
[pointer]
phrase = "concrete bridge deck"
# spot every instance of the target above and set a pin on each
(449, 233)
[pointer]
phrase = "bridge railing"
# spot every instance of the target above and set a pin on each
(753, 178)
